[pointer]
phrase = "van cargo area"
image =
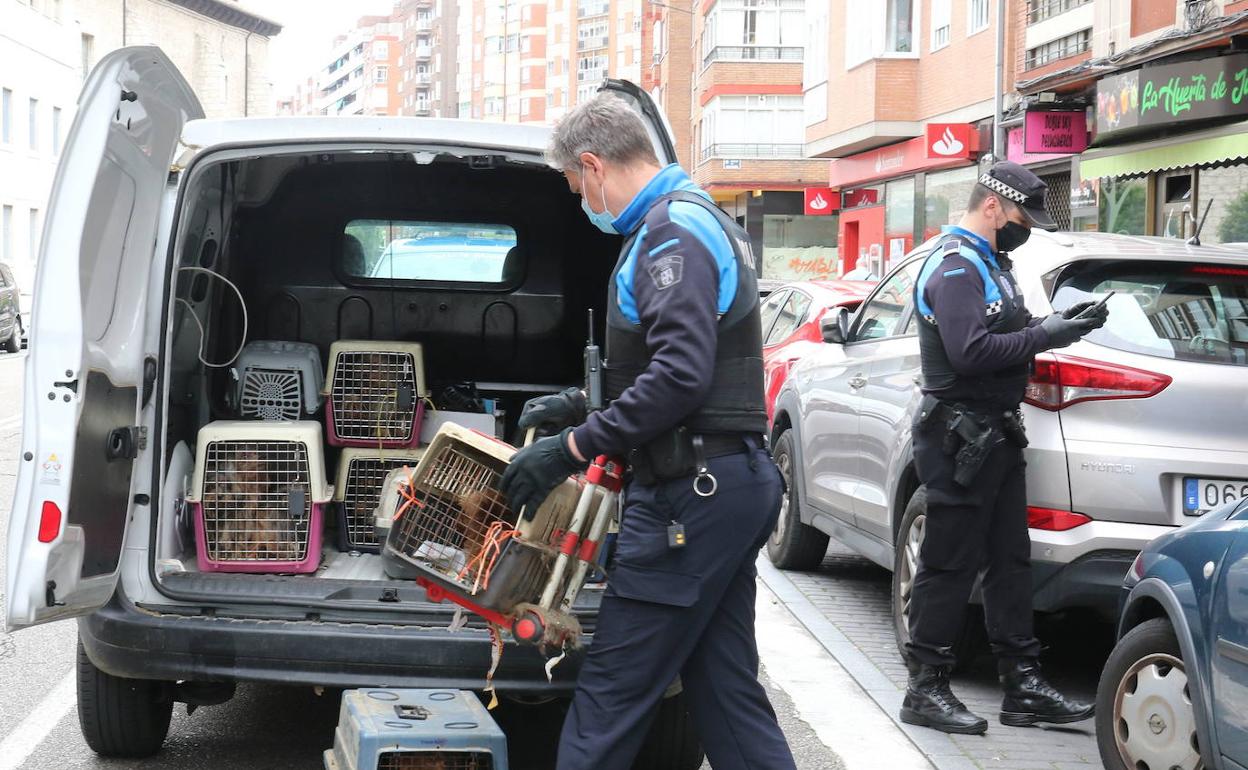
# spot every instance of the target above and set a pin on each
(483, 260)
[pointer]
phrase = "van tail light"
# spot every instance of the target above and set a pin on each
(1054, 520)
(1061, 380)
(49, 522)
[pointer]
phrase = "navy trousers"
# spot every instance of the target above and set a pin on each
(688, 612)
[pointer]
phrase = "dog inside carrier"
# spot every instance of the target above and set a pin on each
(376, 393)
(362, 475)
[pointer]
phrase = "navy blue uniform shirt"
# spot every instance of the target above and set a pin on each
(677, 279)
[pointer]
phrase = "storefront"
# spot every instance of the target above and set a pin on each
(1045, 140)
(900, 195)
(792, 240)
(1172, 151)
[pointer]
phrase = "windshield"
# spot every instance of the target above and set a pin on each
(1184, 311)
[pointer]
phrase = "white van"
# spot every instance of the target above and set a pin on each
(125, 369)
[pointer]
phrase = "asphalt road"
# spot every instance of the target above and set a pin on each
(263, 726)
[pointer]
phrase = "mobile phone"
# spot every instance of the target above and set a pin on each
(1095, 309)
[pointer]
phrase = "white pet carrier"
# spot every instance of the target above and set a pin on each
(258, 496)
(278, 380)
(362, 474)
(375, 394)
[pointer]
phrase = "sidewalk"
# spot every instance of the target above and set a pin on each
(845, 606)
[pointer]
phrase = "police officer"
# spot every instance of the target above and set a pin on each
(977, 344)
(684, 385)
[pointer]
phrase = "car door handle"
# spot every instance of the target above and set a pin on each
(857, 381)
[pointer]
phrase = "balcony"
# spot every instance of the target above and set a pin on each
(423, 110)
(771, 151)
(786, 53)
(590, 76)
(591, 43)
(423, 23)
(587, 8)
(423, 78)
(1039, 10)
(423, 52)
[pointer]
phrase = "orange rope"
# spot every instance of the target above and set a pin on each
(491, 548)
(408, 493)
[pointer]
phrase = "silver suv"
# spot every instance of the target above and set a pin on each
(1134, 430)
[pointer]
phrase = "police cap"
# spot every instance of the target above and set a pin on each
(1021, 187)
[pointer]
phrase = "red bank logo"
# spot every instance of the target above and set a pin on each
(948, 140)
(820, 201)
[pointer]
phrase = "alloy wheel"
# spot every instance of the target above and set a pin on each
(1154, 722)
(910, 566)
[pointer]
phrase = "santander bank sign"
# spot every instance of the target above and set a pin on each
(949, 140)
(821, 201)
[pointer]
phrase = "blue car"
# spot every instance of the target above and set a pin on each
(1174, 692)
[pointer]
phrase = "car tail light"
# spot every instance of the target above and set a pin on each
(49, 522)
(1061, 380)
(1219, 270)
(1054, 520)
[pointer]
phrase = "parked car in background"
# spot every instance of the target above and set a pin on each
(1173, 691)
(1134, 430)
(11, 330)
(791, 316)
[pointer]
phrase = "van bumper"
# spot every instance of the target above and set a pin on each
(139, 643)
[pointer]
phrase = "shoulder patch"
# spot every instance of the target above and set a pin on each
(667, 271)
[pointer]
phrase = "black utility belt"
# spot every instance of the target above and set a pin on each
(680, 453)
(971, 433)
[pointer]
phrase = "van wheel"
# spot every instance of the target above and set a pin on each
(671, 743)
(793, 545)
(1144, 714)
(972, 636)
(121, 717)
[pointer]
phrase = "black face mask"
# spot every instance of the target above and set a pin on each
(1012, 236)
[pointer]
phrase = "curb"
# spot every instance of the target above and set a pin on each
(938, 747)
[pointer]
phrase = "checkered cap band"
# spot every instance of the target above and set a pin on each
(1001, 188)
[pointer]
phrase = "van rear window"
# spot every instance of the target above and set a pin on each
(1184, 311)
(453, 252)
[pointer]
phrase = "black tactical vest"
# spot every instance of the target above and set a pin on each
(1002, 388)
(736, 402)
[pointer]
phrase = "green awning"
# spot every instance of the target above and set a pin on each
(1228, 143)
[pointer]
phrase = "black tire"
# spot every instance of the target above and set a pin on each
(121, 717)
(793, 545)
(672, 743)
(1152, 645)
(972, 637)
(14, 343)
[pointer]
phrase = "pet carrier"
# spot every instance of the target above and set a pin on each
(453, 532)
(258, 495)
(376, 393)
(362, 474)
(278, 380)
(382, 729)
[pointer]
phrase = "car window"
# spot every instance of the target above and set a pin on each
(385, 249)
(1184, 311)
(789, 317)
(771, 308)
(884, 314)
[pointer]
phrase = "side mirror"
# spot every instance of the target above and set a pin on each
(835, 327)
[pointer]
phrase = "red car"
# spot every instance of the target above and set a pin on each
(791, 317)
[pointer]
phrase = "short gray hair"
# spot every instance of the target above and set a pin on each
(606, 126)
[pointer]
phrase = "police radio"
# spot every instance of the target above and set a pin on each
(593, 370)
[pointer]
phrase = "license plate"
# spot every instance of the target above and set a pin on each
(1203, 495)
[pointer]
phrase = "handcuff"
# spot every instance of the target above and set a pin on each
(704, 476)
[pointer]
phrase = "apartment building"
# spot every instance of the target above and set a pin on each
(361, 75)
(900, 94)
(426, 77)
(47, 48)
(1155, 84)
(749, 132)
(667, 68)
(530, 61)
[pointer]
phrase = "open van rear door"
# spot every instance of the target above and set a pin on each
(656, 122)
(85, 368)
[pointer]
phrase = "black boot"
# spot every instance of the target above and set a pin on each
(1029, 698)
(930, 703)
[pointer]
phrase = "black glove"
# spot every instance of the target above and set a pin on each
(1064, 331)
(536, 470)
(1077, 308)
(554, 412)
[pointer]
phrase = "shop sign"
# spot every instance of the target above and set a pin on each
(732, 164)
(1085, 194)
(866, 196)
(949, 140)
(1014, 150)
(897, 160)
(1055, 132)
(821, 201)
(1173, 94)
